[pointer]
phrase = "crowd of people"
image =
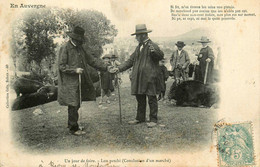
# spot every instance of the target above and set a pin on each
(148, 74)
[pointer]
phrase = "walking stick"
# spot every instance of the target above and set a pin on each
(119, 99)
(206, 73)
(80, 101)
(100, 84)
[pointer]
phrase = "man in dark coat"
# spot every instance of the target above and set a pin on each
(205, 56)
(145, 75)
(73, 60)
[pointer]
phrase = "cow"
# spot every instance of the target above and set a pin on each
(194, 93)
(26, 86)
(44, 95)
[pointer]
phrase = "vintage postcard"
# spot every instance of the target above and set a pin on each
(118, 83)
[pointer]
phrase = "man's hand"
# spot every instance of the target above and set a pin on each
(112, 69)
(196, 62)
(183, 67)
(179, 66)
(151, 47)
(208, 60)
(199, 55)
(79, 70)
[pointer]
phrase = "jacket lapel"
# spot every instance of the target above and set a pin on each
(182, 53)
(176, 55)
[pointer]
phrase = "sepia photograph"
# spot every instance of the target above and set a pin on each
(130, 83)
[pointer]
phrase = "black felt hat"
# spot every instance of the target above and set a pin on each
(77, 33)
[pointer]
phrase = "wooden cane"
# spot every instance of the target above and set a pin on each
(80, 102)
(100, 84)
(206, 73)
(119, 99)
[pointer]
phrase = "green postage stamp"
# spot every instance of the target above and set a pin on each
(235, 145)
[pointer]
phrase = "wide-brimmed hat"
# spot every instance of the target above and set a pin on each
(141, 29)
(77, 33)
(114, 56)
(106, 56)
(180, 44)
(204, 39)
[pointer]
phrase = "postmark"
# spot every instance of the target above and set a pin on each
(235, 144)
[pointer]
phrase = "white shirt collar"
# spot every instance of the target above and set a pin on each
(145, 41)
(73, 43)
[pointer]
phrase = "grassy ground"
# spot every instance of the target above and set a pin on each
(185, 128)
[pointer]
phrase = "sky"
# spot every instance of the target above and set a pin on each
(125, 14)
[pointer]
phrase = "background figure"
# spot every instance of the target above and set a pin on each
(106, 81)
(115, 63)
(205, 56)
(164, 75)
(180, 61)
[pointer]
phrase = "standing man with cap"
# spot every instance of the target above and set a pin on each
(73, 61)
(180, 61)
(205, 56)
(145, 81)
(164, 75)
(106, 81)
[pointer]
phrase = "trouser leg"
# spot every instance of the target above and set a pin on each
(159, 97)
(185, 76)
(141, 107)
(153, 105)
(177, 76)
(163, 94)
(73, 117)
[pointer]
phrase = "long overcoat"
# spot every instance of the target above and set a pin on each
(145, 73)
(206, 52)
(70, 58)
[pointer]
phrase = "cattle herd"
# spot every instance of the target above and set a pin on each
(31, 93)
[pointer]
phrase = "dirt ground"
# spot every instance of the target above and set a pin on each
(179, 128)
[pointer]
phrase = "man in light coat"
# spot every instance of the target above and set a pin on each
(180, 61)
